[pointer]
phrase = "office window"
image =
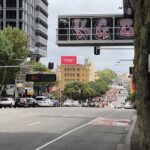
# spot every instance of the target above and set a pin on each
(20, 3)
(12, 24)
(1, 3)
(11, 3)
(11, 14)
(20, 14)
(78, 75)
(20, 25)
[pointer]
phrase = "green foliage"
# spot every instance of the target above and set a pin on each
(38, 67)
(81, 91)
(107, 75)
(13, 49)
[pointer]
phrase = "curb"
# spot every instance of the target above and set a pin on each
(127, 144)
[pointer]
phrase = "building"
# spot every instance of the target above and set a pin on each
(30, 16)
(76, 72)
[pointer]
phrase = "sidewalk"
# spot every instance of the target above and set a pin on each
(135, 138)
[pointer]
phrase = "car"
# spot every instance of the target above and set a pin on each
(21, 102)
(76, 103)
(85, 104)
(7, 102)
(111, 105)
(128, 105)
(68, 103)
(91, 104)
(31, 102)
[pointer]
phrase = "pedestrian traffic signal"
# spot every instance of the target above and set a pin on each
(50, 65)
(96, 50)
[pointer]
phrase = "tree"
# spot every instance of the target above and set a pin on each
(13, 49)
(142, 77)
(73, 90)
(107, 75)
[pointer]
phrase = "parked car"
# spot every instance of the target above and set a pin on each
(76, 103)
(68, 103)
(45, 103)
(92, 104)
(86, 104)
(31, 102)
(21, 102)
(111, 105)
(42, 101)
(7, 102)
(128, 105)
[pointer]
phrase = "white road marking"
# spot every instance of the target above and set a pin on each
(34, 123)
(60, 137)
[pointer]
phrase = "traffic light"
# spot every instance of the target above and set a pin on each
(96, 50)
(50, 65)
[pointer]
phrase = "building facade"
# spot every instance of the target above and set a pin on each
(83, 73)
(30, 16)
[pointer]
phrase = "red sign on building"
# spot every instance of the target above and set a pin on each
(68, 60)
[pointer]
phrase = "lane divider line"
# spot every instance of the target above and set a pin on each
(34, 123)
(60, 137)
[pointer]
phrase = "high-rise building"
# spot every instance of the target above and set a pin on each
(30, 16)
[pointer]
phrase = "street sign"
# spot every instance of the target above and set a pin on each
(41, 77)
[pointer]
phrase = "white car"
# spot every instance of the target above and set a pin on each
(111, 105)
(68, 103)
(128, 105)
(43, 101)
(7, 102)
(76, 103)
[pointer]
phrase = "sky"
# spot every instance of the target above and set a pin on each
(108, 56)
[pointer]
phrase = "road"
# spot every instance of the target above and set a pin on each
(63, 128)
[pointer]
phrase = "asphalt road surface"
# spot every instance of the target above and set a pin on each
(63, 128)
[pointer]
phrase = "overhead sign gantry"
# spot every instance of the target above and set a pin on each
(95, 30)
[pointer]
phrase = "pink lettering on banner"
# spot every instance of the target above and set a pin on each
(81, 31)
(102, 30)
(126, 28)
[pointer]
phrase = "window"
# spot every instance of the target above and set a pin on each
(78, 75)
(20, 3)
(78, 69)
(1, 3)
(20, 14)
(12, 24)
(11, 3)
(11, 14)
(20, 25)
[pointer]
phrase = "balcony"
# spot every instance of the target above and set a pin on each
(40, 52)
(41, 28)
(42, 5)
(41, 40)
(41, 16)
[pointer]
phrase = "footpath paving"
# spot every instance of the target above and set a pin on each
(135, 138)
